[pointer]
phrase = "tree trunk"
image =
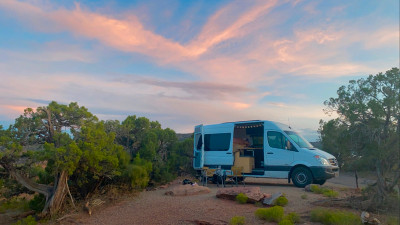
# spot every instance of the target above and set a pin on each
(56, 200)
(55, 194)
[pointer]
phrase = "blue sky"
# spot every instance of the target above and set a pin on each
(185, 63)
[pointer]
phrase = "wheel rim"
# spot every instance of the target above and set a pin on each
(301, 178)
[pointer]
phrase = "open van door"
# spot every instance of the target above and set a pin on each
(198, 147)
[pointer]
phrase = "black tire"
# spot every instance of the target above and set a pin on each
(301, 177)
(320, 182)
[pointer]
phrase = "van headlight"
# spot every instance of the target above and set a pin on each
(322, 160)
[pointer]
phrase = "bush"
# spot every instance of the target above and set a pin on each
(393, 221)
(14, 204)
(237, 220)
(285, 222)
(316, 189)
(329, 217)
(293, 217)
(281, 201)
(324, 191)
(30, 220)
(37, 203)
(241, 198)
(271, 214)
(330, 193)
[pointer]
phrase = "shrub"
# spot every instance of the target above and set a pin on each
(293, 217)
(14, 204)
(285, 222)
(325, 191)
(271, 214)
(237, 220)
(37, 203)
(241, 198)
(304, 196)
(393, 221)
(281, 201)
(330, 193)
(329, 217)
(316, 188)
(30, 220)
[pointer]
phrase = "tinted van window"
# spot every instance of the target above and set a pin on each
(278, 140)
(217, 142)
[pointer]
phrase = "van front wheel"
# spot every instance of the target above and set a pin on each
(301, 176)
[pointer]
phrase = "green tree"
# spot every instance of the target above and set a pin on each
(369, 114)
(44, 131)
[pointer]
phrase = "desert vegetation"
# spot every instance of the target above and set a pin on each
(63, 153)
(365, 135)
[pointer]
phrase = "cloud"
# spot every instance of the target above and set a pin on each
(204, 90)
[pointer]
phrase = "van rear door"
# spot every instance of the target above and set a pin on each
(218, 145)
(198, 147)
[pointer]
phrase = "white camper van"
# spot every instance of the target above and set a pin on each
(262, 149)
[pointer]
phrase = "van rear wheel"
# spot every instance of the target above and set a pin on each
(301, 177)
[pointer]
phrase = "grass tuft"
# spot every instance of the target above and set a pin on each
(14, 204)
(241, 198)
(334, 217)
(324, 191)
(271, 214)
(30, 220)
(285, 222)
(281, 201)
(237, 220)
(293, 217)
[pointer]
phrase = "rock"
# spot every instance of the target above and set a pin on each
(366, 219)
(307, 188)
(163, 186)
(185, 190)
(253, 193)
(270, 201)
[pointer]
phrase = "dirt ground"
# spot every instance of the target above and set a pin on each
(153, 207)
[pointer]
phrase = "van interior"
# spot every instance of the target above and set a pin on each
(248, 147)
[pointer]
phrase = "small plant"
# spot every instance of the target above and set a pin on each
(316, 189)
(37, 203)
(330, 193)
(293, 217)
(285, 222)
(14, 204)
(281, 201)
(30, 220)
(329, 217)
(324, 191)
(271, 214)
(304, 196)
(393, 221)
(241, 198)
(237, 220)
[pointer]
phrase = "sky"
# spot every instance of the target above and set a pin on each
(185, 63)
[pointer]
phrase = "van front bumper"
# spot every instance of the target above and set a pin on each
(324, 172)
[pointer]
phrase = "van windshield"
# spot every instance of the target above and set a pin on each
(300, 140)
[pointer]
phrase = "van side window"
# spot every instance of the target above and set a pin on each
(217, 142)
(199, 141)
(278, 140)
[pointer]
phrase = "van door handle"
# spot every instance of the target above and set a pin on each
(270, 153)
(229, 153)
